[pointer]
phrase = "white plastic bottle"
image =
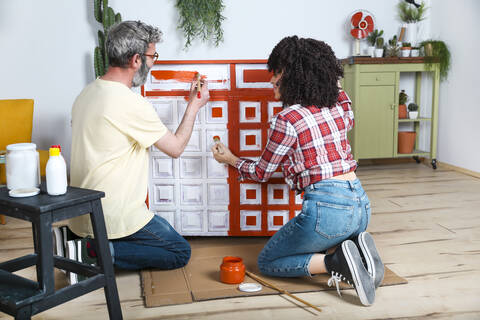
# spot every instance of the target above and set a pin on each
(56, 173)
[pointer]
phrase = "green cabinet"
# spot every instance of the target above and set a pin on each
(373, 86)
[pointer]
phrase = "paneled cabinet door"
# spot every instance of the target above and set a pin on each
(375, 122)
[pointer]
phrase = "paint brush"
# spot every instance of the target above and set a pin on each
(199, 95)
(216, 139)
(268, 284)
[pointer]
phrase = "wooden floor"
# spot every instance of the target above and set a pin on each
(426, 225)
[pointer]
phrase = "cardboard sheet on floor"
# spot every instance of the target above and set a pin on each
(200, 279)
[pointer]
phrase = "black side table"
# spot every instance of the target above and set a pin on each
(22, 297)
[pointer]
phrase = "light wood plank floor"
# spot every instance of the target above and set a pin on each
(426, 225)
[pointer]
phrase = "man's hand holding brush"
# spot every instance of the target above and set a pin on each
(199, 93)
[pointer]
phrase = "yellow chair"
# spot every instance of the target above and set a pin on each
(16, 121)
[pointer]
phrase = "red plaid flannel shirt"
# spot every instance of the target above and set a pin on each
(310, 144)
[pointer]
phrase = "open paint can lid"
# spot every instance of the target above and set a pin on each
(249, 287)
(23, 192)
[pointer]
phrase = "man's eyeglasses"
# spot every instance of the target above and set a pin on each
(153, 56)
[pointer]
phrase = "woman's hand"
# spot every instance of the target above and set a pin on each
(223, 155)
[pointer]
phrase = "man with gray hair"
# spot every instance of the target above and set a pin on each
(112, 131)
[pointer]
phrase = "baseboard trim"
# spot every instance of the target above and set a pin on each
(425, 161)
(445, 165)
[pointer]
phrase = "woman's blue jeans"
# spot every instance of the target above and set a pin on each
(157, 245)
(332, 211)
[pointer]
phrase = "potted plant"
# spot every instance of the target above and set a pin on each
(415, 52)
(379, 47)
(412, 111)
(406, 141)
(372, 40)
(402, 105)
(411, 14)
(437, 51)
(392, 48)
(405, 49)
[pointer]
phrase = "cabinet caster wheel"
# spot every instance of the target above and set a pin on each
(417, 159)
(434, 163)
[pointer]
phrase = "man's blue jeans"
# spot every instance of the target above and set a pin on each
(332, 211)
(157, 245)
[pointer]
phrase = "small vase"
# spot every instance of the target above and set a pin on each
(406, 141)
(405, 53)
(232, 270)
(370, 51)
(428, 49)
(415, 53)
(413, 114)
(402, 111)
(411, 35)
(378, 53)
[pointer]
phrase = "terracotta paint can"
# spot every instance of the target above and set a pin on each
(232, 270)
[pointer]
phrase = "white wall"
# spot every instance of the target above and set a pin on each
(459, 106)
(47, 48)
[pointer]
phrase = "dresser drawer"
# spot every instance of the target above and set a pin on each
(377, 78)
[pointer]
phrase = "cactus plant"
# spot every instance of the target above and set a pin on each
(379, 43)
(402, 97)
(412, 107)
(372, 37)
(393, 49)
(107, 17)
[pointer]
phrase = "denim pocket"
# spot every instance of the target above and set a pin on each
(334, 220)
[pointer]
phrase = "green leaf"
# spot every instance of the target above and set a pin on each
(97, 10)
(200, 19)
(101, 40)
(98, 62)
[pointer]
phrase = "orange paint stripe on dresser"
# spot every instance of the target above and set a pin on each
(256, 75)
(181, 76)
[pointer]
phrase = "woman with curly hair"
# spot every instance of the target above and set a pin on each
(308, 139)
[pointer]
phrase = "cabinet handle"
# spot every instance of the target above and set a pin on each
(392, 106)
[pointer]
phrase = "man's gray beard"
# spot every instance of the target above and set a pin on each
(140, 76)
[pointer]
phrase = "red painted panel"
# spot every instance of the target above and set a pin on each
(278, 221)
(250, 112)
(276, 110)
(217, 113)
(277, 194)
(257, 75)
(251, 194)
(251, 221)
(250, 140)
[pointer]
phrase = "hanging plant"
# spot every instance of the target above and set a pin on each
(201, 19)
(437, 52)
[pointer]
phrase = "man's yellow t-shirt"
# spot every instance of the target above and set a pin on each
(112, 128)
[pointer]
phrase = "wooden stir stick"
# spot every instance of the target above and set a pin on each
(266, 283)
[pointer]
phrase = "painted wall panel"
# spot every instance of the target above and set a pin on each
(195, 193)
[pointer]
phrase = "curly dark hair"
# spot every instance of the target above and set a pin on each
(310, 71)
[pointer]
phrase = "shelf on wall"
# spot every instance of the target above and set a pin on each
(414, 120)
(416, 153)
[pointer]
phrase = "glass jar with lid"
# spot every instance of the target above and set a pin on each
(22, 166)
